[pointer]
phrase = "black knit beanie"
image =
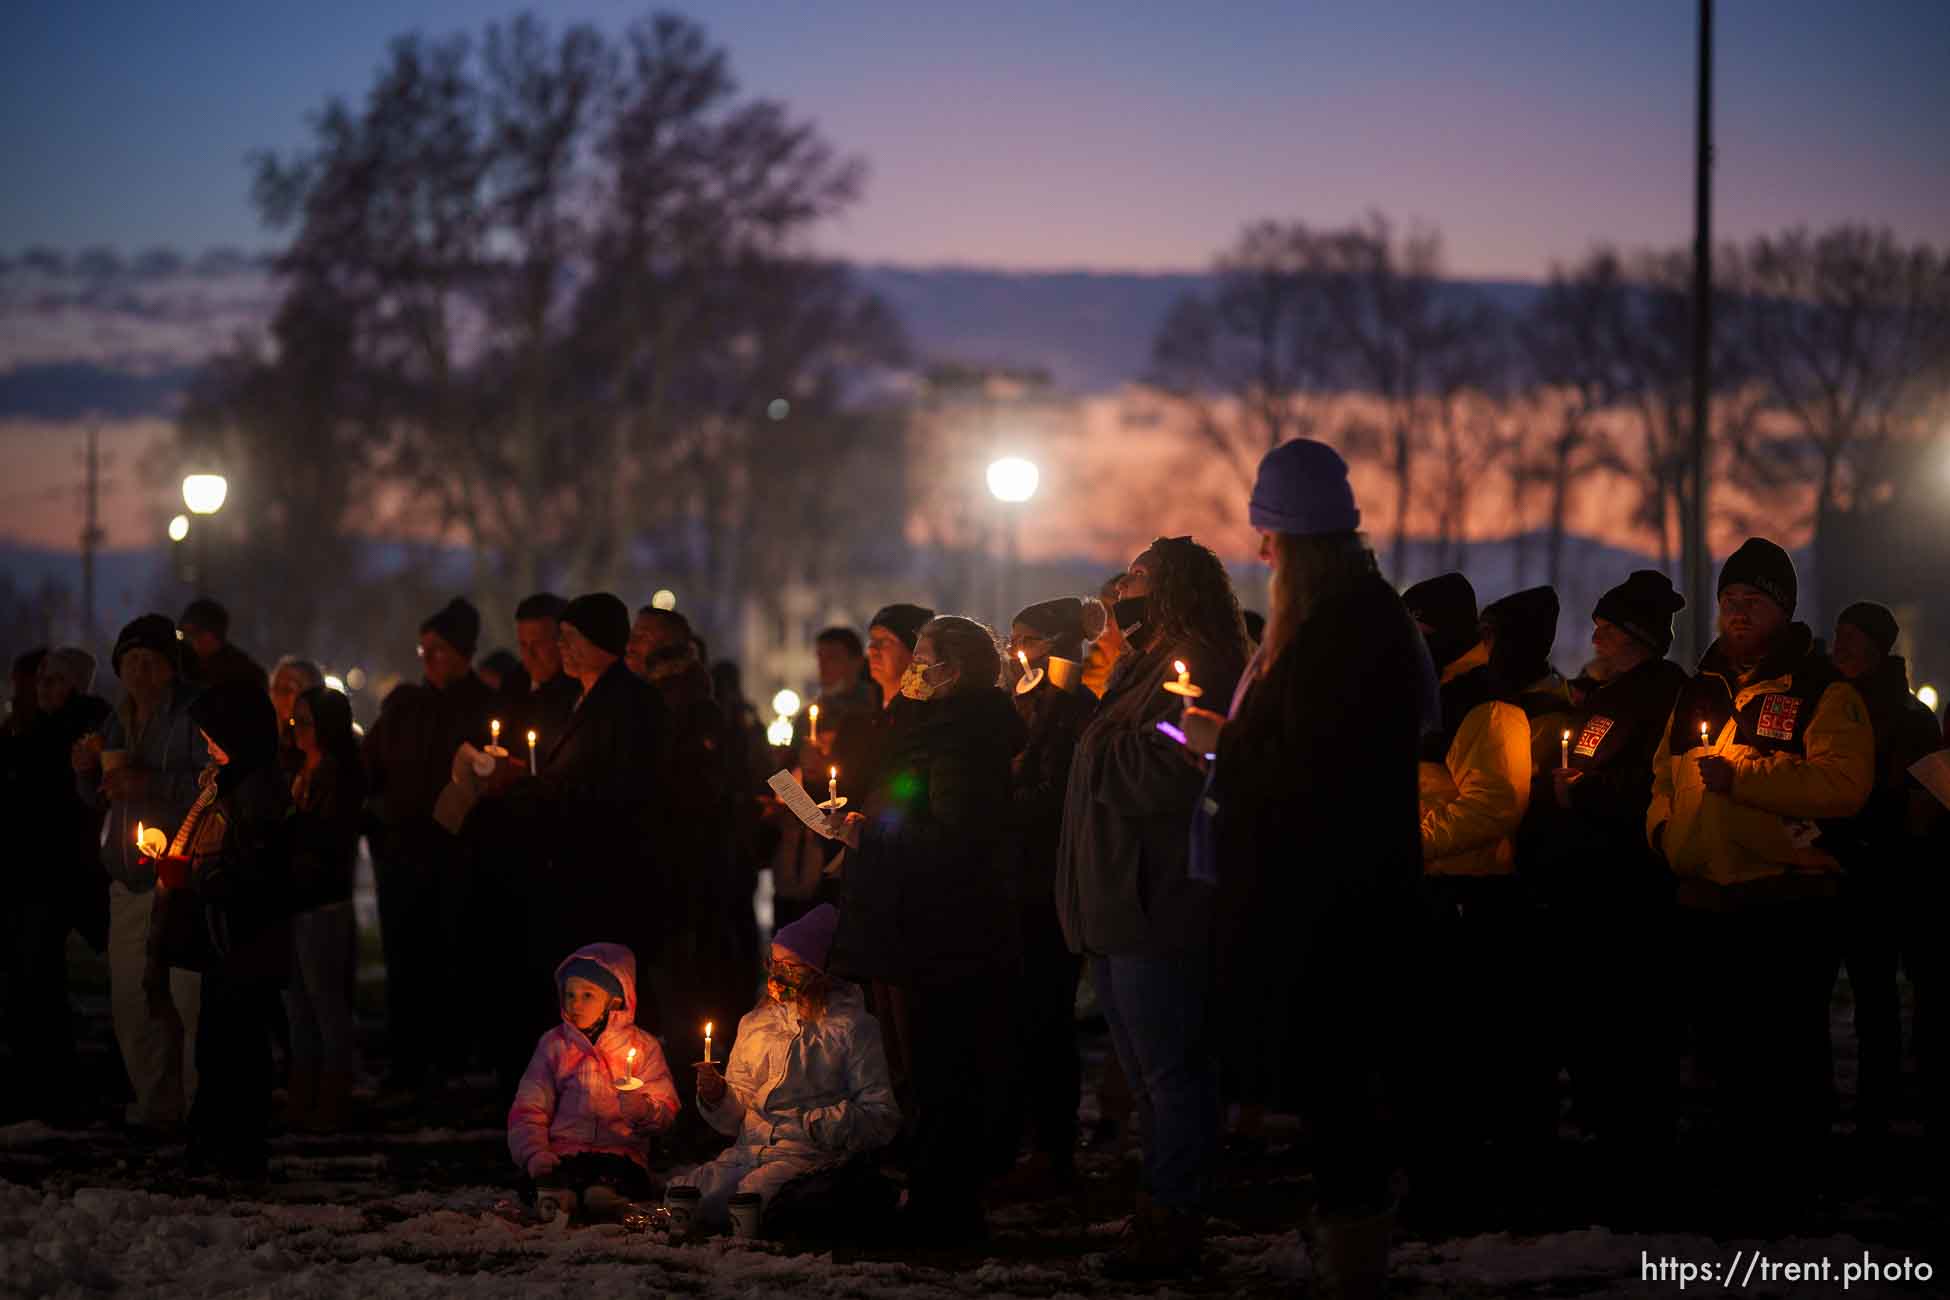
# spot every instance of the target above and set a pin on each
(1643, 606)
(1761, 564)
(1875, 622)
(1447, 606)
(150, 632)
(904, 621)
(1061, 620)
(1524, 624)
(457, 623)
(603, 620)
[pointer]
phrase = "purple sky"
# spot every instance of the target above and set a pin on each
(1106, 135)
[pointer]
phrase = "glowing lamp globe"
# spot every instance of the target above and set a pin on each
(1013, 479)
(665, 599)
(780, 732)
(179, 528)
(1926, 695)
(786, 703)
(204, 493)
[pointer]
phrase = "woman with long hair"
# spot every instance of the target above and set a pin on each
(1123, 888)
(1311, 825)
(330, 794)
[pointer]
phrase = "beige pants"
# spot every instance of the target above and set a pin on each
(159, 1051)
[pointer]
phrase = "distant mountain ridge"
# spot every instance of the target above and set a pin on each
(96, 335)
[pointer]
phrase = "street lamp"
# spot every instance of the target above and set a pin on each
(179, 528)
(203, 494)
(1012, 481)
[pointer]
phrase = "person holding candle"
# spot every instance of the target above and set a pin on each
(227, 916)
(806, 1085)
(155, 754)
(928, 913)
(1742, 828)
(1048, 1071)
(1124, 893)
(1608, 899)
(575, 1120)
(1310, 826)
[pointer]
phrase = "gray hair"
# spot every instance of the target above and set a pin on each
(305, 668)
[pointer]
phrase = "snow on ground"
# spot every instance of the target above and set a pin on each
(377, 1223)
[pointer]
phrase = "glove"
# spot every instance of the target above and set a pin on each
(542, 1164)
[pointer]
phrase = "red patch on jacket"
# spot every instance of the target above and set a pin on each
(1592, 736)
(1777, 715)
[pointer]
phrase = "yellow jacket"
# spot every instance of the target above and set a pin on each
(1096, 667)
(1757, 842)
(1474, 799)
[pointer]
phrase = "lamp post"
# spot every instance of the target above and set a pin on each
(1012, 481)
(204, 495)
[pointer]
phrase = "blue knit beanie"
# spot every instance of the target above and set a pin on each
(582, 968)
(1302, 488)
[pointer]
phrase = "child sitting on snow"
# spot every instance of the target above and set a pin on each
(807, 1084)
(570, 1125)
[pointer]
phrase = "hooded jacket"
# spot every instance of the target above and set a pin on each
(567, 1102)
(1123, 885)
(1801, 747)
(926, 893)
(1474, 778)
(795, 1088)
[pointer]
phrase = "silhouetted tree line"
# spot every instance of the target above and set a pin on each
(547, 297)
(1831, 372)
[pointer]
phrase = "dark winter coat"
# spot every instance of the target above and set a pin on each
(227, 664)
(325, 835)
(596, 815)
(1594, 848)
(410, 758)
(1320, 851)
(235, 918)
(544, 709)
(1905, 730)
(1040, 779)
(56, 831)
(927, 895)
(1122, 887)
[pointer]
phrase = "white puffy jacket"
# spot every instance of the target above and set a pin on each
(796, 1088)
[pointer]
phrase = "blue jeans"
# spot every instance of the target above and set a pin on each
(1156, 1007)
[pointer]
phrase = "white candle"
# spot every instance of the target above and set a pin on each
(1704, 743)
(494, 732)
(629, 1065)
(707, 1042)
(531, 753)
(832, 785)
(1184, 673)
(1564, 750)
(812, 716)
(1183, 686)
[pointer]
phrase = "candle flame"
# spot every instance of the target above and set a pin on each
(138, 833)
(531, 739)
(631, 1058)
(1179, 666)
(833, 772)
(494, 726)
(814, 710)
(707, 1029)
(1024, 656)
(1567, 733)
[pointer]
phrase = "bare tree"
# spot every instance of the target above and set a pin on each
(1391, 328)
(1848, 332)
(1243, 358)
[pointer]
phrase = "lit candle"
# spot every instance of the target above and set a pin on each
(707, 1042)
(832, 785)
(1031, 679)
(629, 1064)
(494, 732)
(531, 753)
(812, 716)
(1564, 750)
(1704, 743)
(1183, 686)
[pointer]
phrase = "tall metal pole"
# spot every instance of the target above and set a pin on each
(91, 534)
(1699, 576)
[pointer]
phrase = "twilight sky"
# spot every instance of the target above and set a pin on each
(1126, 135)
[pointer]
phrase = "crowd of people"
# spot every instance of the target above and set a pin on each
(1370, 860)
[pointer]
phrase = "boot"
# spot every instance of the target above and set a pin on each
(1163, 1243)
(1350, 1255)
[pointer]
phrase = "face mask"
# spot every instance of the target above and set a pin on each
(914, 683)
(1130, 613)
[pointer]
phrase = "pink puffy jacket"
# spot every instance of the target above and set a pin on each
(567, 1102)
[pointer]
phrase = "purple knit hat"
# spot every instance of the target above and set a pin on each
(810, 938)
(1302, 488)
